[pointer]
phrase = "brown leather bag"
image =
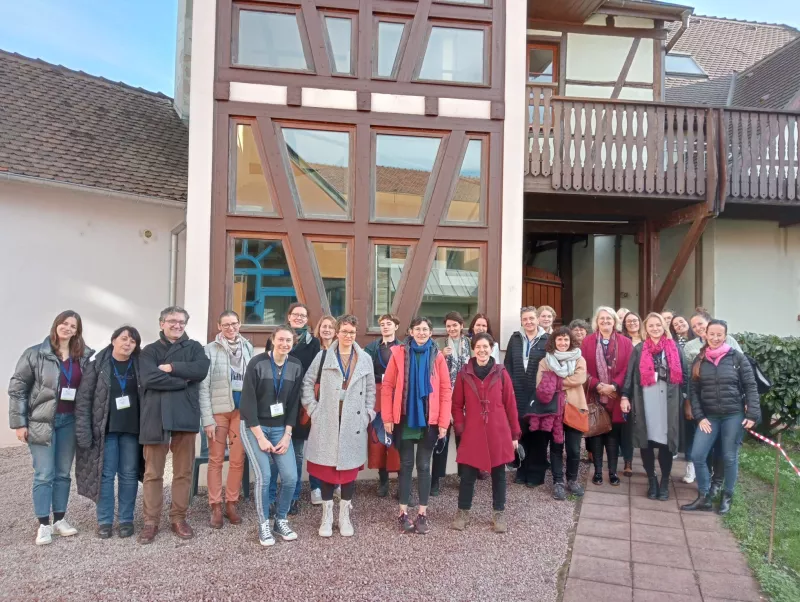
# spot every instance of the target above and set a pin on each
(575, 418)
(599, 420)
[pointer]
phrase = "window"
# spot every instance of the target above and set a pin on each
(683, 64)
(452, 284)
(477, 2)
(330, 260)
(262, 282)
(272, 40)
(390, 35)
(319, 166)
(248, 189)
(542, 63)
(403, 168)
(454, 55)
(340, 44)
(466, 198)
(389, 263)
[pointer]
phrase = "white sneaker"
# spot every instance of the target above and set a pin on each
(316, 497)
(345, 525)
(689, 477)
(265, 535)
(326, 526)
(63, 528)
(44, 535)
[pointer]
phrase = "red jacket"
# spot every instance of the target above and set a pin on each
(485, 417)
(617, 371)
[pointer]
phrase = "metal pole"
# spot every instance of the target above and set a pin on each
(774, 499)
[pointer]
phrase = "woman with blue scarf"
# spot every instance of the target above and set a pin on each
(416, 408)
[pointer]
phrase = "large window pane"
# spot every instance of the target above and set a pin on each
(452, 284)
(389, 38)
(454, 55)
(270, 40)
(262, 283)
(540, 65)
(465, 204)
(319, 163)
(249, 189)
(389, 263)
(331, 262)
(403, 166)
(340, 39)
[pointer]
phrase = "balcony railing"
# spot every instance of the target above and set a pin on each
(659, 149)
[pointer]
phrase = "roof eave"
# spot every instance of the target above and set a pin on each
(663, 11)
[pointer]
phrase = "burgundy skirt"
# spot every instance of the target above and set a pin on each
(330, 474)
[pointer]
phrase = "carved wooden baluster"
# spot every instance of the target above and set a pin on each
(793, 176)
(547, 159)
(558, 150)
(782, 124)
(566, 178)
(693, 153)
(680, 155)
(600, 152)
(577, 163)
(670, 152)
(588, 145)
(660, 167)
(735, 150)
(702, 151)
(608, 169)
(619, 165)
(536, 157)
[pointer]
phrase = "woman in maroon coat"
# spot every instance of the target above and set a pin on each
(606, 352)
(485, 418)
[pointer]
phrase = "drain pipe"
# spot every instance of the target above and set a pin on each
(173, 262)
(684, 26)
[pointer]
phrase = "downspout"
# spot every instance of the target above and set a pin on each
(684, 26)
(173, 262)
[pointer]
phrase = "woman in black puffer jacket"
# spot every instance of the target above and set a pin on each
(725, 402)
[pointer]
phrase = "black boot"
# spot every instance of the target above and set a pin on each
(383, 484)
(652, 487)
(663, 488)
(725, 503)
(597, 479)
(703, 502)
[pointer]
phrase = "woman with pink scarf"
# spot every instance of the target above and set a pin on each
(653, 395)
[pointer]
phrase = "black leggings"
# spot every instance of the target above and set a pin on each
(423, 461)
(649, 459)
(439, 462)
(610, 441)
(347, 490)
(467, 487)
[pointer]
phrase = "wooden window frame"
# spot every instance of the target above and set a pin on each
(486, 28)
(373, 266)
(353, 17)
(232, 160)
(401, 48)
(556, 47)
(349, 271)
(484, 183)
(485, 3)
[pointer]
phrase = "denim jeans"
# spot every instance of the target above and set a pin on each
(51, 467)
(261, 461)
(121, 460)
(729, 430)
(299, 448)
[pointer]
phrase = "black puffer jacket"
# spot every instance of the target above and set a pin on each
(524, 380)
(91, 417)
(725, 389)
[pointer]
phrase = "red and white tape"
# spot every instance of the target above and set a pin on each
(778, 447)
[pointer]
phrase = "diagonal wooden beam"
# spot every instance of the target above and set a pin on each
(415, 47)
(684, 215)
(626, 67)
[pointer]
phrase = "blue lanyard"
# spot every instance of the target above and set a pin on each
(346, 374)
(276, 382)
(528, 345)
(67, 374)
(122, 380)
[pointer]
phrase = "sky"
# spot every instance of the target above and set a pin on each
(134, 40)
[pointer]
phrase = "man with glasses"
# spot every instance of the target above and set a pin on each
(171, 371)
(220, 393)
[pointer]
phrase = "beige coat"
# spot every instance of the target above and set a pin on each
(573, 385)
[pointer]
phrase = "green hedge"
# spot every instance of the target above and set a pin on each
(779, 358)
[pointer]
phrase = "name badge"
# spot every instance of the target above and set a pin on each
(236, 385)
(68, 394)
(655, 377)
(276, 409)
(123, 403)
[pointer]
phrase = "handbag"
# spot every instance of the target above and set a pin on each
(576, 419)
(599, 420)
(304, 417)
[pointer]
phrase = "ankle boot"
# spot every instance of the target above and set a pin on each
(702, 502)
(652, 487)
(216, 516)
(326, 525)
(232, 512)
(345, 524)
(383, 484)
(663, 488)
(725, 503)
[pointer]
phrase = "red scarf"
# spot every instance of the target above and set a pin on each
(647, 368)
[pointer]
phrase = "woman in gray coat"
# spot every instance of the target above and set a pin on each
(340, 413)
(41, 409)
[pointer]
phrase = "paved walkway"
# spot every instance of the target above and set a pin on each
(628, 547)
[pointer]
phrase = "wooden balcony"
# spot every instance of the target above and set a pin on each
(660, 150)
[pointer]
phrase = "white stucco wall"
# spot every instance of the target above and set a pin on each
(682, 298)
(582, 279)
(112, 275)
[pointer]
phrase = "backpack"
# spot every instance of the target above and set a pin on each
(763, 383)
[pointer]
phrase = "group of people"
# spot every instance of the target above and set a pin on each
(317, 396)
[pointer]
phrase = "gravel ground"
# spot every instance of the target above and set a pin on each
(376, 564)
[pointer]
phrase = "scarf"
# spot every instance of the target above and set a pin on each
(715, 355)
(647, 367)
(483, 371)
(459, 358)
(303, 336)
(563, 362)
(234, 351)
(605, 361)
(419, 383)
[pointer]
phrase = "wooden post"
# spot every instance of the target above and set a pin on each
(648, 266)
(617, 271)
(565, 272)
(774, 499)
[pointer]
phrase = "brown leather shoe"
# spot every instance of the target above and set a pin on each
(232, 514)
(216, 516)
(148, 534)
(182, 530)
(628, 470)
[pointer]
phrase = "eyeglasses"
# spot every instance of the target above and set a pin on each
(229, 326)
(180, 323)
(348, 333)
(299, 316)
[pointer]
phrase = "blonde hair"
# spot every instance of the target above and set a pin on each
(547, 308)
(621, 313)
(610, 311)
(327, 317)
(643, 329)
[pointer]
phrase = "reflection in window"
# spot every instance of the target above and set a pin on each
(452, 284)
(249, 186)
(262, 283)
(389, 263)
(319, 163)
(540, 65)
(270, 40)
(389, 38)
(683, 64)
(465, 204)
(403, 166)
(340, 40)
(331, 264)
(454, 55)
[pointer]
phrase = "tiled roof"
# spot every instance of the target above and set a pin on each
(64, 125)
(705, 92)
(771, 83)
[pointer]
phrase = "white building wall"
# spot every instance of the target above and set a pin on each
(582, 279)
(68, 250)
(682, 298)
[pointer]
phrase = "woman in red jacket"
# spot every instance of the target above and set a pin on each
(606, 352)
(485, 417)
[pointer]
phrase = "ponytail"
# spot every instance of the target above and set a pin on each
(698, 361)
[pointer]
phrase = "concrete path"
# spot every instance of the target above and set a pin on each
(628, 547)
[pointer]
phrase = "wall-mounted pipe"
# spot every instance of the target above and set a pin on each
(173, 262)
(684, 26)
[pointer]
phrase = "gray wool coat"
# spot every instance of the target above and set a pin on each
(331, 442)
